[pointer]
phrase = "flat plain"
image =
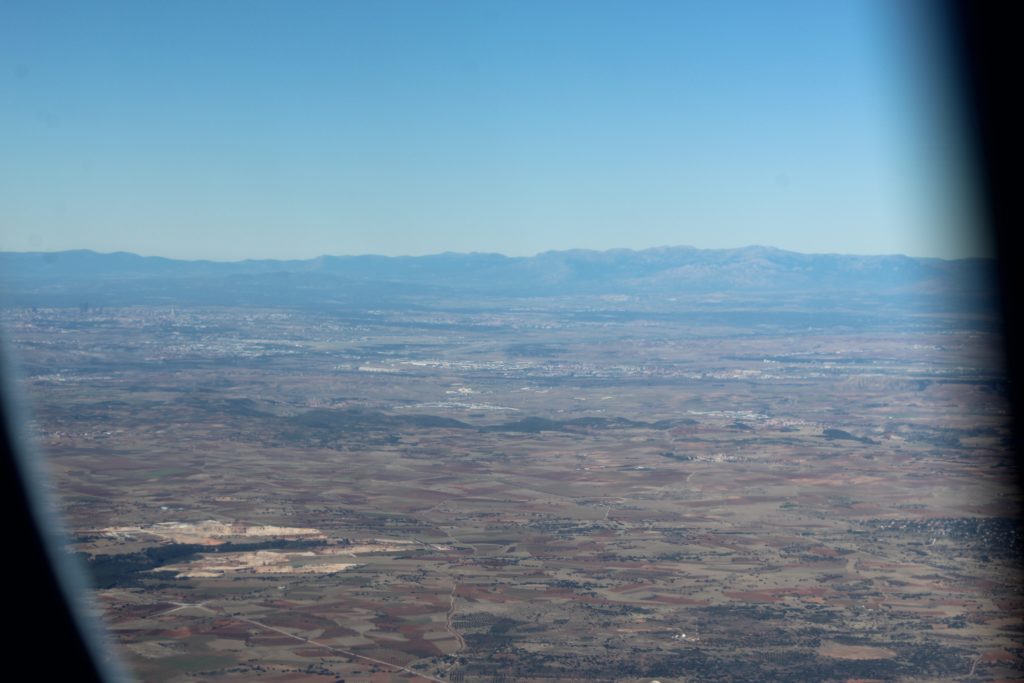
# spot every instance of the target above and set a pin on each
(535, 489)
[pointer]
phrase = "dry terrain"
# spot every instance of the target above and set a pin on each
(531, 490)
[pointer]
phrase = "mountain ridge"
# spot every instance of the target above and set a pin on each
(47, 277)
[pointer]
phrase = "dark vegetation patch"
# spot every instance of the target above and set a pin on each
(771, 665)
(235, 407)
(842, 435)
(354, 420)
(672, 455)
(130, 569)
(985, 537)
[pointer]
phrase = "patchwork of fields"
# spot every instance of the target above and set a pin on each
(571, 490)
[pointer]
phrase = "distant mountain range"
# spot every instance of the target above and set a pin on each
(76, 277)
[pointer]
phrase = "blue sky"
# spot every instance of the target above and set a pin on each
(248, 129)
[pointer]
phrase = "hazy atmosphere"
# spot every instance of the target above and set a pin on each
(237, 130)
(480, 342)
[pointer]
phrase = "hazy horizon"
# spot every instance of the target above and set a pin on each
(659, 248)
